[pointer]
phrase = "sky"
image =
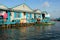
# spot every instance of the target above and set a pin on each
(51, 6)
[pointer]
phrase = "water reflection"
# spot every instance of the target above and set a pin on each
(28, 33)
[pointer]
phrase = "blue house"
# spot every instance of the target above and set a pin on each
(25, 14)
(45, 17)
(21, 14)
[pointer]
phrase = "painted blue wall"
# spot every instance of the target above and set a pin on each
(34, 15)
(1, 20)
(20, 14)
(28, 18)
(46, 19)
(27, 15)
(14, 14)
(30, 15)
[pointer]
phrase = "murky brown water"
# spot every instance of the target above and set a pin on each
(32, 33)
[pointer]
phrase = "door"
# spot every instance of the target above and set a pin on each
(43, 16)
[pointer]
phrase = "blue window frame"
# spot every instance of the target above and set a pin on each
(17, 15)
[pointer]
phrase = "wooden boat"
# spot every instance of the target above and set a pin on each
(41, 24)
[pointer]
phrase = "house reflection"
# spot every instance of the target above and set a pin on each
(23, 32)
(23, 29)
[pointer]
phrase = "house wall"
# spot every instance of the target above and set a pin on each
(46, 19)
(36, 15)
(32, 15)
(8, 17)
(21, 16)
(28, 17)
(12, 16)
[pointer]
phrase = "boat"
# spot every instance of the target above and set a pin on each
(44, 24)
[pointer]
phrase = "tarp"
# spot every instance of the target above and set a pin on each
(5, 15)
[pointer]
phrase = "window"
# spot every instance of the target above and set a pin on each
(17, 15)
(1, 12)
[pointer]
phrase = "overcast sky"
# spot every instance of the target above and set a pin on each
(51, 6)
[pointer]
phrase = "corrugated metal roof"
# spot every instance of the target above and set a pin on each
(20, 8)
(23, 7)
(44, 12)
(37, 11)
(3, 7)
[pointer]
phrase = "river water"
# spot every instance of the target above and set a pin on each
(51, 32)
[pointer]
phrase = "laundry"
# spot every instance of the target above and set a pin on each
(5, 15)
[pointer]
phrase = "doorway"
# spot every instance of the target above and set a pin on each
(43, 16)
